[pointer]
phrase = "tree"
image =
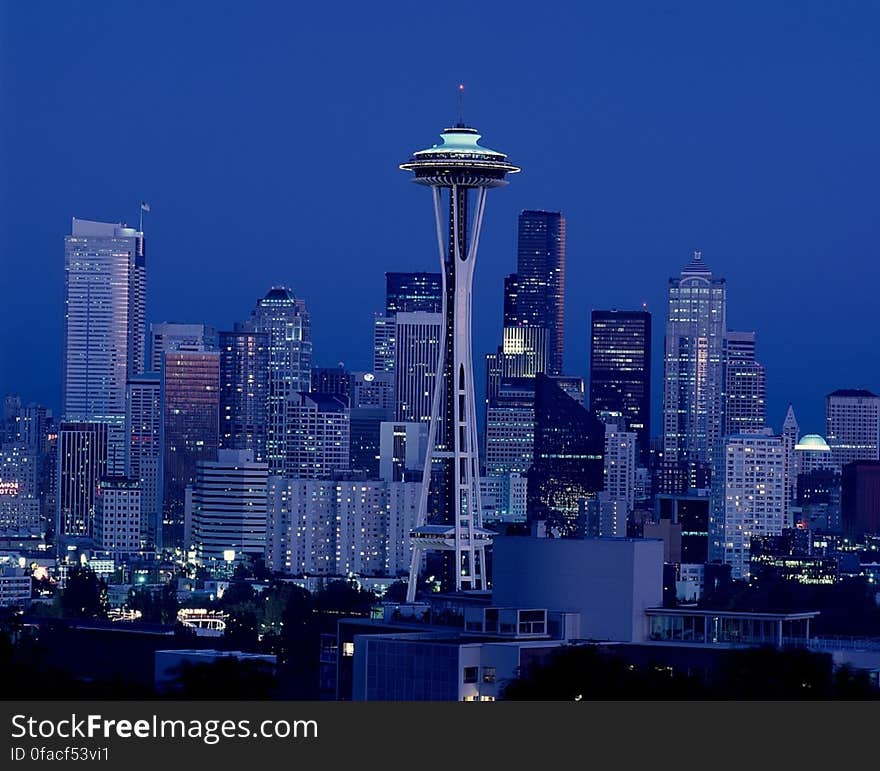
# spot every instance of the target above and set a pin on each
(85, 595)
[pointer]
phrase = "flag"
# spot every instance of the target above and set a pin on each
(145, 206)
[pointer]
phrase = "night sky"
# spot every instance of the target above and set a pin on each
(266, 137)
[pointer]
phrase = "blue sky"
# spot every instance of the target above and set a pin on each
(266, 137)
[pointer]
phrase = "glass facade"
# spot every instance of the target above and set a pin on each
(190, 425)
(620, 370)
(244, 391)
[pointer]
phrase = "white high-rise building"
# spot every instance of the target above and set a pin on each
(104, 318)
(19, 501)
(118, 516)
(618, 495)
(288, 326)
(336, 527)
(510, 427)
(693, 382)
(143, 462)
(318, 436)
(226, 511)
(418, 338)
(748, 497)
(852, 425)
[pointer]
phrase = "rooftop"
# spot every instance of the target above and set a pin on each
(859, 393)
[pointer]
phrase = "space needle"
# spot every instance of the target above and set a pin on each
(459, 172)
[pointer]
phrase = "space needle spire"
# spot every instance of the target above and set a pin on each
(459, 172)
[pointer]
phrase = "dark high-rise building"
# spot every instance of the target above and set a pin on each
(190, 427)
(244, 391)
(692, 513)
(620, 370)
(82, 463)
(860, 497)
(335, 381)
(535, 295)
(568, 464)
(412, 292)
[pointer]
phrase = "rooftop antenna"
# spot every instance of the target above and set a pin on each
(461, 104)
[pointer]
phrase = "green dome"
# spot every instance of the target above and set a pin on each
(812, 442)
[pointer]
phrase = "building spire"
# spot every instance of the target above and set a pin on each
(460, 106)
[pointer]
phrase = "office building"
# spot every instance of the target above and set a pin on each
(118, 516)
(860, 498)
(318, 436)
(173, 336)
(19, 490)
(744, 385)
(620, 370)
(227, 508)
(384, 342)
(510, 427)
(402, 449)
(82, 463)
(852, 425)
(333, 381)
(244, 391)
(691, 514)
(417, 357)
(618, 493)
(568, 463)
(190, 428)
(535, 295)
(693, 377)
(104, 318)
(286, 322)
(143, 462)
(748, 497)
(419, 291)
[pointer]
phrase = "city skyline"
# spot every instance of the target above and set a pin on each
(755, 197)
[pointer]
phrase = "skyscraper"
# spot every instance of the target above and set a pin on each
(104, 318)
(744, 385)
(790, 433)
(461, 166)
(418, 343)
(852, 425)
(535, 295)
(288, 325)
(620, 370)
(617, 499)
(510, 427)
(244, 391)
(748, 497)
(411, 292)
(190, 427)
(568, 464)
(227, 509)
(82, 463)
(693, 383)
(143, 427)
